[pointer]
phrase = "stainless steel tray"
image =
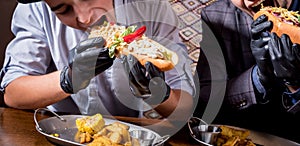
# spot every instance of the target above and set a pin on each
(65, 126)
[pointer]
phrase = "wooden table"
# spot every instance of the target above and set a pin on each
(17, 128)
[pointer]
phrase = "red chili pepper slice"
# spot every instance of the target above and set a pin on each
(137, 34)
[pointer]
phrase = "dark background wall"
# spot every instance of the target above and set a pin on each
(6, 10)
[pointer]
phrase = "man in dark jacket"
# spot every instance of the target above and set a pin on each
(256, 86)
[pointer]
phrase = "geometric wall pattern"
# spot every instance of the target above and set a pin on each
(188, 12)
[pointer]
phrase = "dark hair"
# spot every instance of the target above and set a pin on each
(27, 1)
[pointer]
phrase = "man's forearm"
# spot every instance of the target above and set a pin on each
(179, 102)
(30, 92)
(240, 91)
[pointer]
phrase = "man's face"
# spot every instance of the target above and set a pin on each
(252, 6)
(80, 14)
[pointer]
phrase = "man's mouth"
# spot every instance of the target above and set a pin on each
(257, 3)
(256, 6)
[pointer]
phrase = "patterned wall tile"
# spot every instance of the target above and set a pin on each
(179, 8)
(198, 26)
(204, 1)
(187, 33)
(194, 68)
(189, 18)
(181, 24)
(189, 14)
(196, 40)
(191, 4)
(197, 11)
(194, 54)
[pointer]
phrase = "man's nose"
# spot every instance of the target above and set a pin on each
(84, 19)
(83, 15)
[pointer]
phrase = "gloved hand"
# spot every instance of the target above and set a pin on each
(89, 59)
(259, 47)
(285, 58)
(145, 82)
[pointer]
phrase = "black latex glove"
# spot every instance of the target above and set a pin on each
(89, 59)
(285, 58)
(259, 47)
(145, 82)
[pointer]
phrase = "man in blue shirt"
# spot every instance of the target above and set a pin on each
(39, 71)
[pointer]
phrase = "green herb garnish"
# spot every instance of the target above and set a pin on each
(128, 31)
(119, 40)
(111, 50)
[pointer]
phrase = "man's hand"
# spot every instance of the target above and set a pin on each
(89, 60)
(145, 82)
(260, 50)
(285, 58)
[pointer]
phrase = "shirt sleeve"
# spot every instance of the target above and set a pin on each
(181, 76)
(294, 97)
(291, 101)
(262, 96)
(256, 82)
(27, 53)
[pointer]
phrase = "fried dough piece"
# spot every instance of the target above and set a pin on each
(118, 124)
(233, 132)
(245, 142)
(231, 141)
(116, 132)
(103, 141)
(115, 137)
(231, 136)
(83, 137)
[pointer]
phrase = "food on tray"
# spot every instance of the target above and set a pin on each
(234, 137)
(83, 137)
(54, 134)
(230, 132)
(104, 141)
(114, 134)
(128, 40)
(90, 124)
(284, 21)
